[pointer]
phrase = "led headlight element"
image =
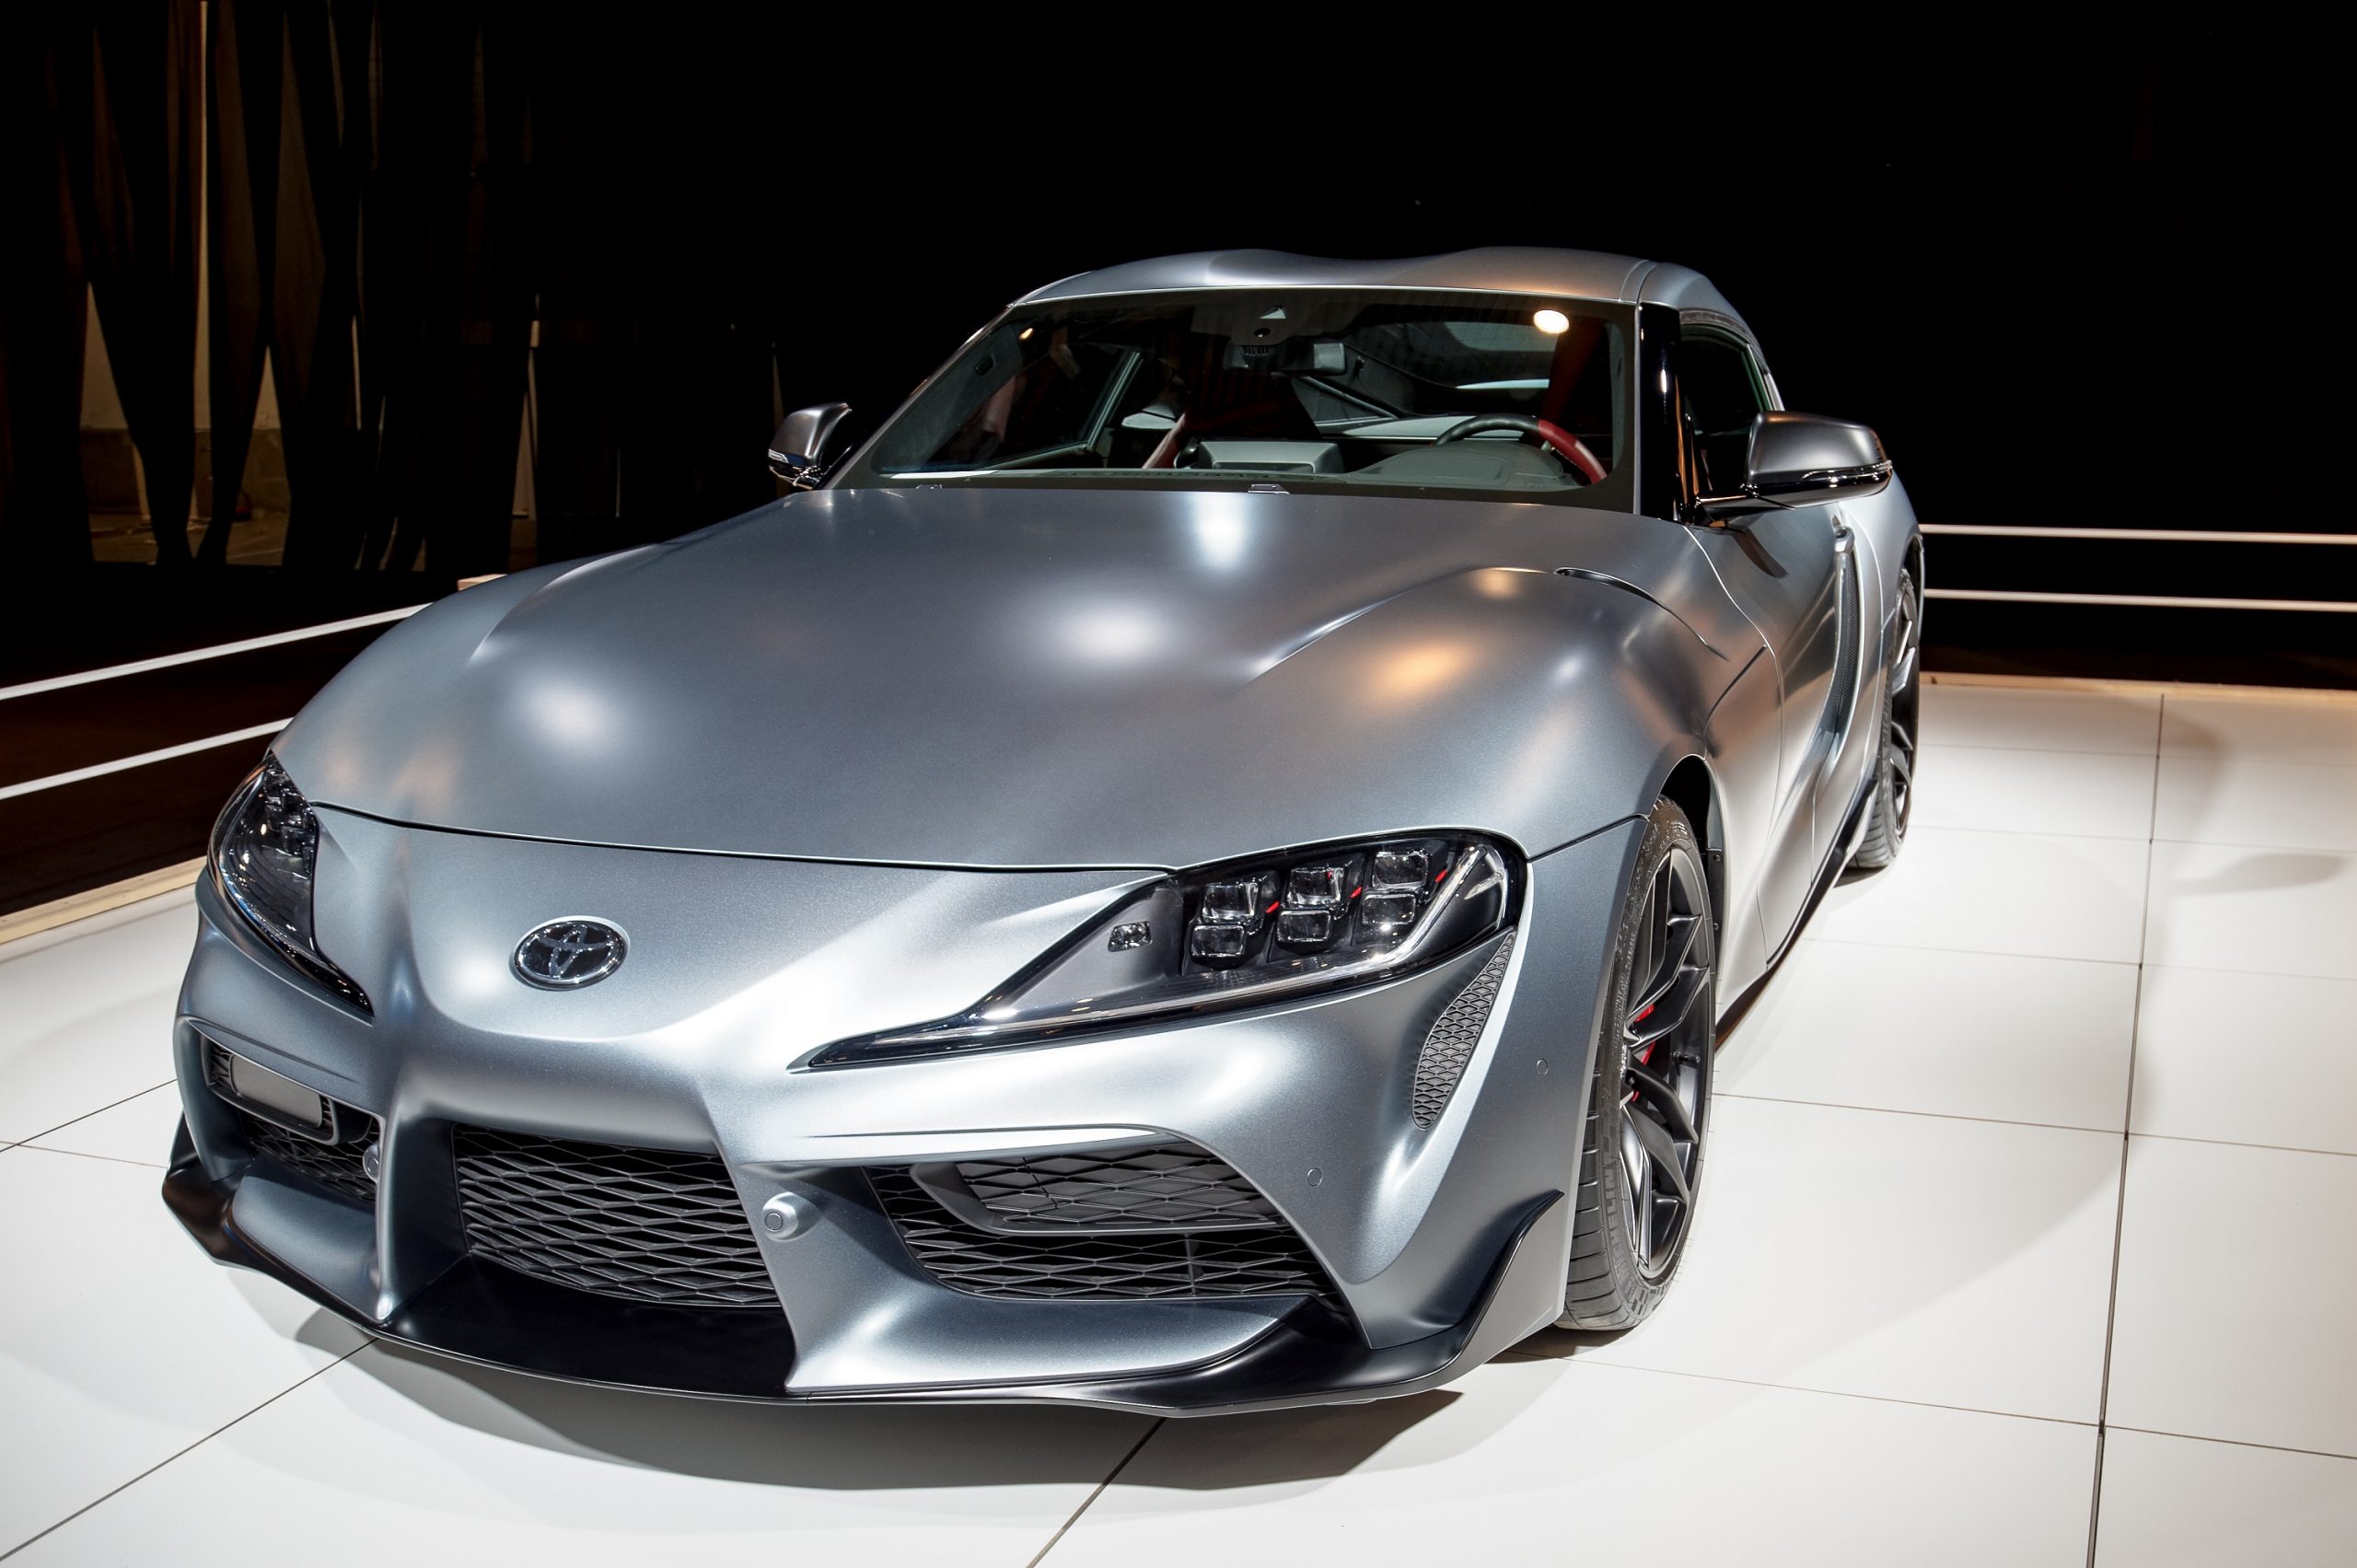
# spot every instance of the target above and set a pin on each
(265, 851)
(1239, 935)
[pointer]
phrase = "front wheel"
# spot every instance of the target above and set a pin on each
(1651, 1102)
(1894, 785)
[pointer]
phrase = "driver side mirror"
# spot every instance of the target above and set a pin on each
(1801, 460)
(798, 450)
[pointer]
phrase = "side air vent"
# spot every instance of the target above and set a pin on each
(1164, 1264)
(1165, 1187)
(333, 1153)
(1843, 698)
(339, 1167)
(1449, 1045)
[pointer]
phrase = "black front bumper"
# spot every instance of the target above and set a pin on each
(495, 1316)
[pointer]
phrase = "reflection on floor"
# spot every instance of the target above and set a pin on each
(1921, 1323)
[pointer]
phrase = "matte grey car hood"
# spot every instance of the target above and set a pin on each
(1035, 678)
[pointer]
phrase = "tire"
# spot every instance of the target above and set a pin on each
(1649, 1106)
(1893, 797)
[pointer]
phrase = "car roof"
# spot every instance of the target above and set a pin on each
(1576, 274)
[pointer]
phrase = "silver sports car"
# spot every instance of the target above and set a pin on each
(1201, 867)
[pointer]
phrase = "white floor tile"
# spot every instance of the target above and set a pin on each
(2264, 910)
(1545, 1462)
(2244, 800)
(140, 1129)
(1958, 1034)
(2284, 729)
(2035, 894)
(2248, 1060)
(1963, 1263)
(399, 1453)
(2180, 1503)
(2237, 1289)
(120, 1343)
(2045, 721)
(86, 1013)
(2087, 794)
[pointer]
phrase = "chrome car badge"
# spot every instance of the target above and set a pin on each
(565, 954)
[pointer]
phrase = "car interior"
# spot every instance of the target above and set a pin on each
(1516, 395)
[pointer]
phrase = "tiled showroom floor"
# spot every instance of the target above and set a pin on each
(1921, 1323)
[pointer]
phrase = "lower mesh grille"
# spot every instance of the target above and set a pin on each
(1449, 1045)
(646, 1225)
(1170, 1264)
(1177, 1187)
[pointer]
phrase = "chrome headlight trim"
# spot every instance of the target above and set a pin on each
(264, 853)
(1474, 896)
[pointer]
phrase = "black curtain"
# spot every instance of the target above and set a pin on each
(291, 120)
(425, 220)
(44, 521)
(240, 201)
(98, 114)
(660, 211)
(134, 185)
(446, 284)
(581, 366)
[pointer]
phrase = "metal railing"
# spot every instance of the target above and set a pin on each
(2162, 535)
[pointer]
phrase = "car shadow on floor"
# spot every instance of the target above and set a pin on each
(847, 1448)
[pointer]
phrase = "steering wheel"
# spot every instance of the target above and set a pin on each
(1552, 437)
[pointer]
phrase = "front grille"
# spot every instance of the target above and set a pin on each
(1176, 1186)
(645, 1224)
(1267, 1259)
(1449, 1045)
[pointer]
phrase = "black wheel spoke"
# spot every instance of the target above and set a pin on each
(1662, 1152)
(1896, 779)
(1664, 1016)
(1666, 1042)
(1681, 932)
(1654, 1094)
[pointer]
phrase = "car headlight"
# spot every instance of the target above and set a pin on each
(265, 849)
(1241, 935)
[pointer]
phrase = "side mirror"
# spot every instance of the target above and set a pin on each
(1801, 460)
(798, 450)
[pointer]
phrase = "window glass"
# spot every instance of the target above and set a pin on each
(1721, 392)
(1308, 387)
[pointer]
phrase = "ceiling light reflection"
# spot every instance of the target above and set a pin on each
(1418, 671)
(1222, 531)
(1113, 634)
(576, 716)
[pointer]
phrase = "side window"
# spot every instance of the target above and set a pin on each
(1048, 399)
(1720, 389)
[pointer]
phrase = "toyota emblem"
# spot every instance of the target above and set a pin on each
(565, 954)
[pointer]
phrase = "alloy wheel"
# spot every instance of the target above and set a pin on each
(1665, 1034)
(1899, 750)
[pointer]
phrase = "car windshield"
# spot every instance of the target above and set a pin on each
(1396, 391)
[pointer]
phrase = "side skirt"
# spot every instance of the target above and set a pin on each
(1853, 830)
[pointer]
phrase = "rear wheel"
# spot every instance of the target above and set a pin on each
(1651, 1102)
(1893, 786)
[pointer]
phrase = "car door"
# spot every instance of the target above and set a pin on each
(1786, 572)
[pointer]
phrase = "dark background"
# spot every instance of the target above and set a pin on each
(2059, 270)
(2068, 273)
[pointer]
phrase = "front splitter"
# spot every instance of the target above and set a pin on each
(494, 1317)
